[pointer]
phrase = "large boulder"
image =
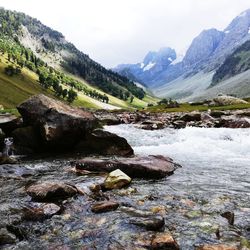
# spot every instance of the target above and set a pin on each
(50, 191)
(228, 100)
(2, 136)
(101, 142)
(151, 167)
(189, 117)
(60, 126)
(234, 122)
(27, 140)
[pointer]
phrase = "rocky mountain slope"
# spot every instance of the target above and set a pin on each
(186, 78)
(27, 44)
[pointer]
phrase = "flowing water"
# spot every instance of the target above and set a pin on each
(215, 178)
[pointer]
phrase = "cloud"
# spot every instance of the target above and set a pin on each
(119, 31)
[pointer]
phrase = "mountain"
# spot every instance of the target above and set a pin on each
(27, 44)
(190, 78)
(236, 63)
(153, 64)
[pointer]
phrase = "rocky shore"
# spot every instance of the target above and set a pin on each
(91, 191)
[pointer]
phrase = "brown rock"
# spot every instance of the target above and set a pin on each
(102, 142)
(152, 223)
(27, 140)
(50, 191)
(229, 216)
(59, 125)
(151, 167)
(9, 122)
(104, 206)
(234, 123)
(193, 116)
(40, 211)
(164, 241)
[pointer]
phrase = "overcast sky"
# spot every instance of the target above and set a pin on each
(123, 31)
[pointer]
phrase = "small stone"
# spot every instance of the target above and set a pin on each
(164, 241)
(229, 216)
(116, 179)
(154, 223)
(105, 206)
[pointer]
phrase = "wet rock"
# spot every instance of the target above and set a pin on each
(153, 223)
(164, 241)
(217, 247)
(27, 140)
(193, 116)
(234, 123)
(151, 167)
(6, 237)
(107, 118)
(7, 159)
(179, 124)
(40, 211)
(156, 241)
(9, 122)
(229, 216)
(151, 125)
(217, 113)
(207, 118)
(59, 125)
(50, 191)
(105, 206)
(2, 137)
(116, 179)
(15, 171)
(102, 142)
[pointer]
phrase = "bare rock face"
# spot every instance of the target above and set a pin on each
(49, 191)
(151, 167)
(59, 125)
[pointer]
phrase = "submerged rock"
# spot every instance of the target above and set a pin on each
(116, 179)
(164, 241)
(104, 206)
(50, 191)
(40, 211)
(217, 247)
(102, 142)
(152, 223)
(157, 241)
(6, 237)
(229, 216)
(151, 167)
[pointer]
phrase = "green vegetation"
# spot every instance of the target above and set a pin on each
(186, 107)
(237, 62)
(75, 62)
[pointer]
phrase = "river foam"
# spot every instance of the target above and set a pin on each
(213, 159)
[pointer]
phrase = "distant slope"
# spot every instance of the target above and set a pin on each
(236, 63)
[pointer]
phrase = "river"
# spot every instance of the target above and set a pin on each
(214, 179)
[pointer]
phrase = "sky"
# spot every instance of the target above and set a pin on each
(123, 31)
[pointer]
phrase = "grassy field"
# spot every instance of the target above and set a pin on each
(17, 88)
(186, 107)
